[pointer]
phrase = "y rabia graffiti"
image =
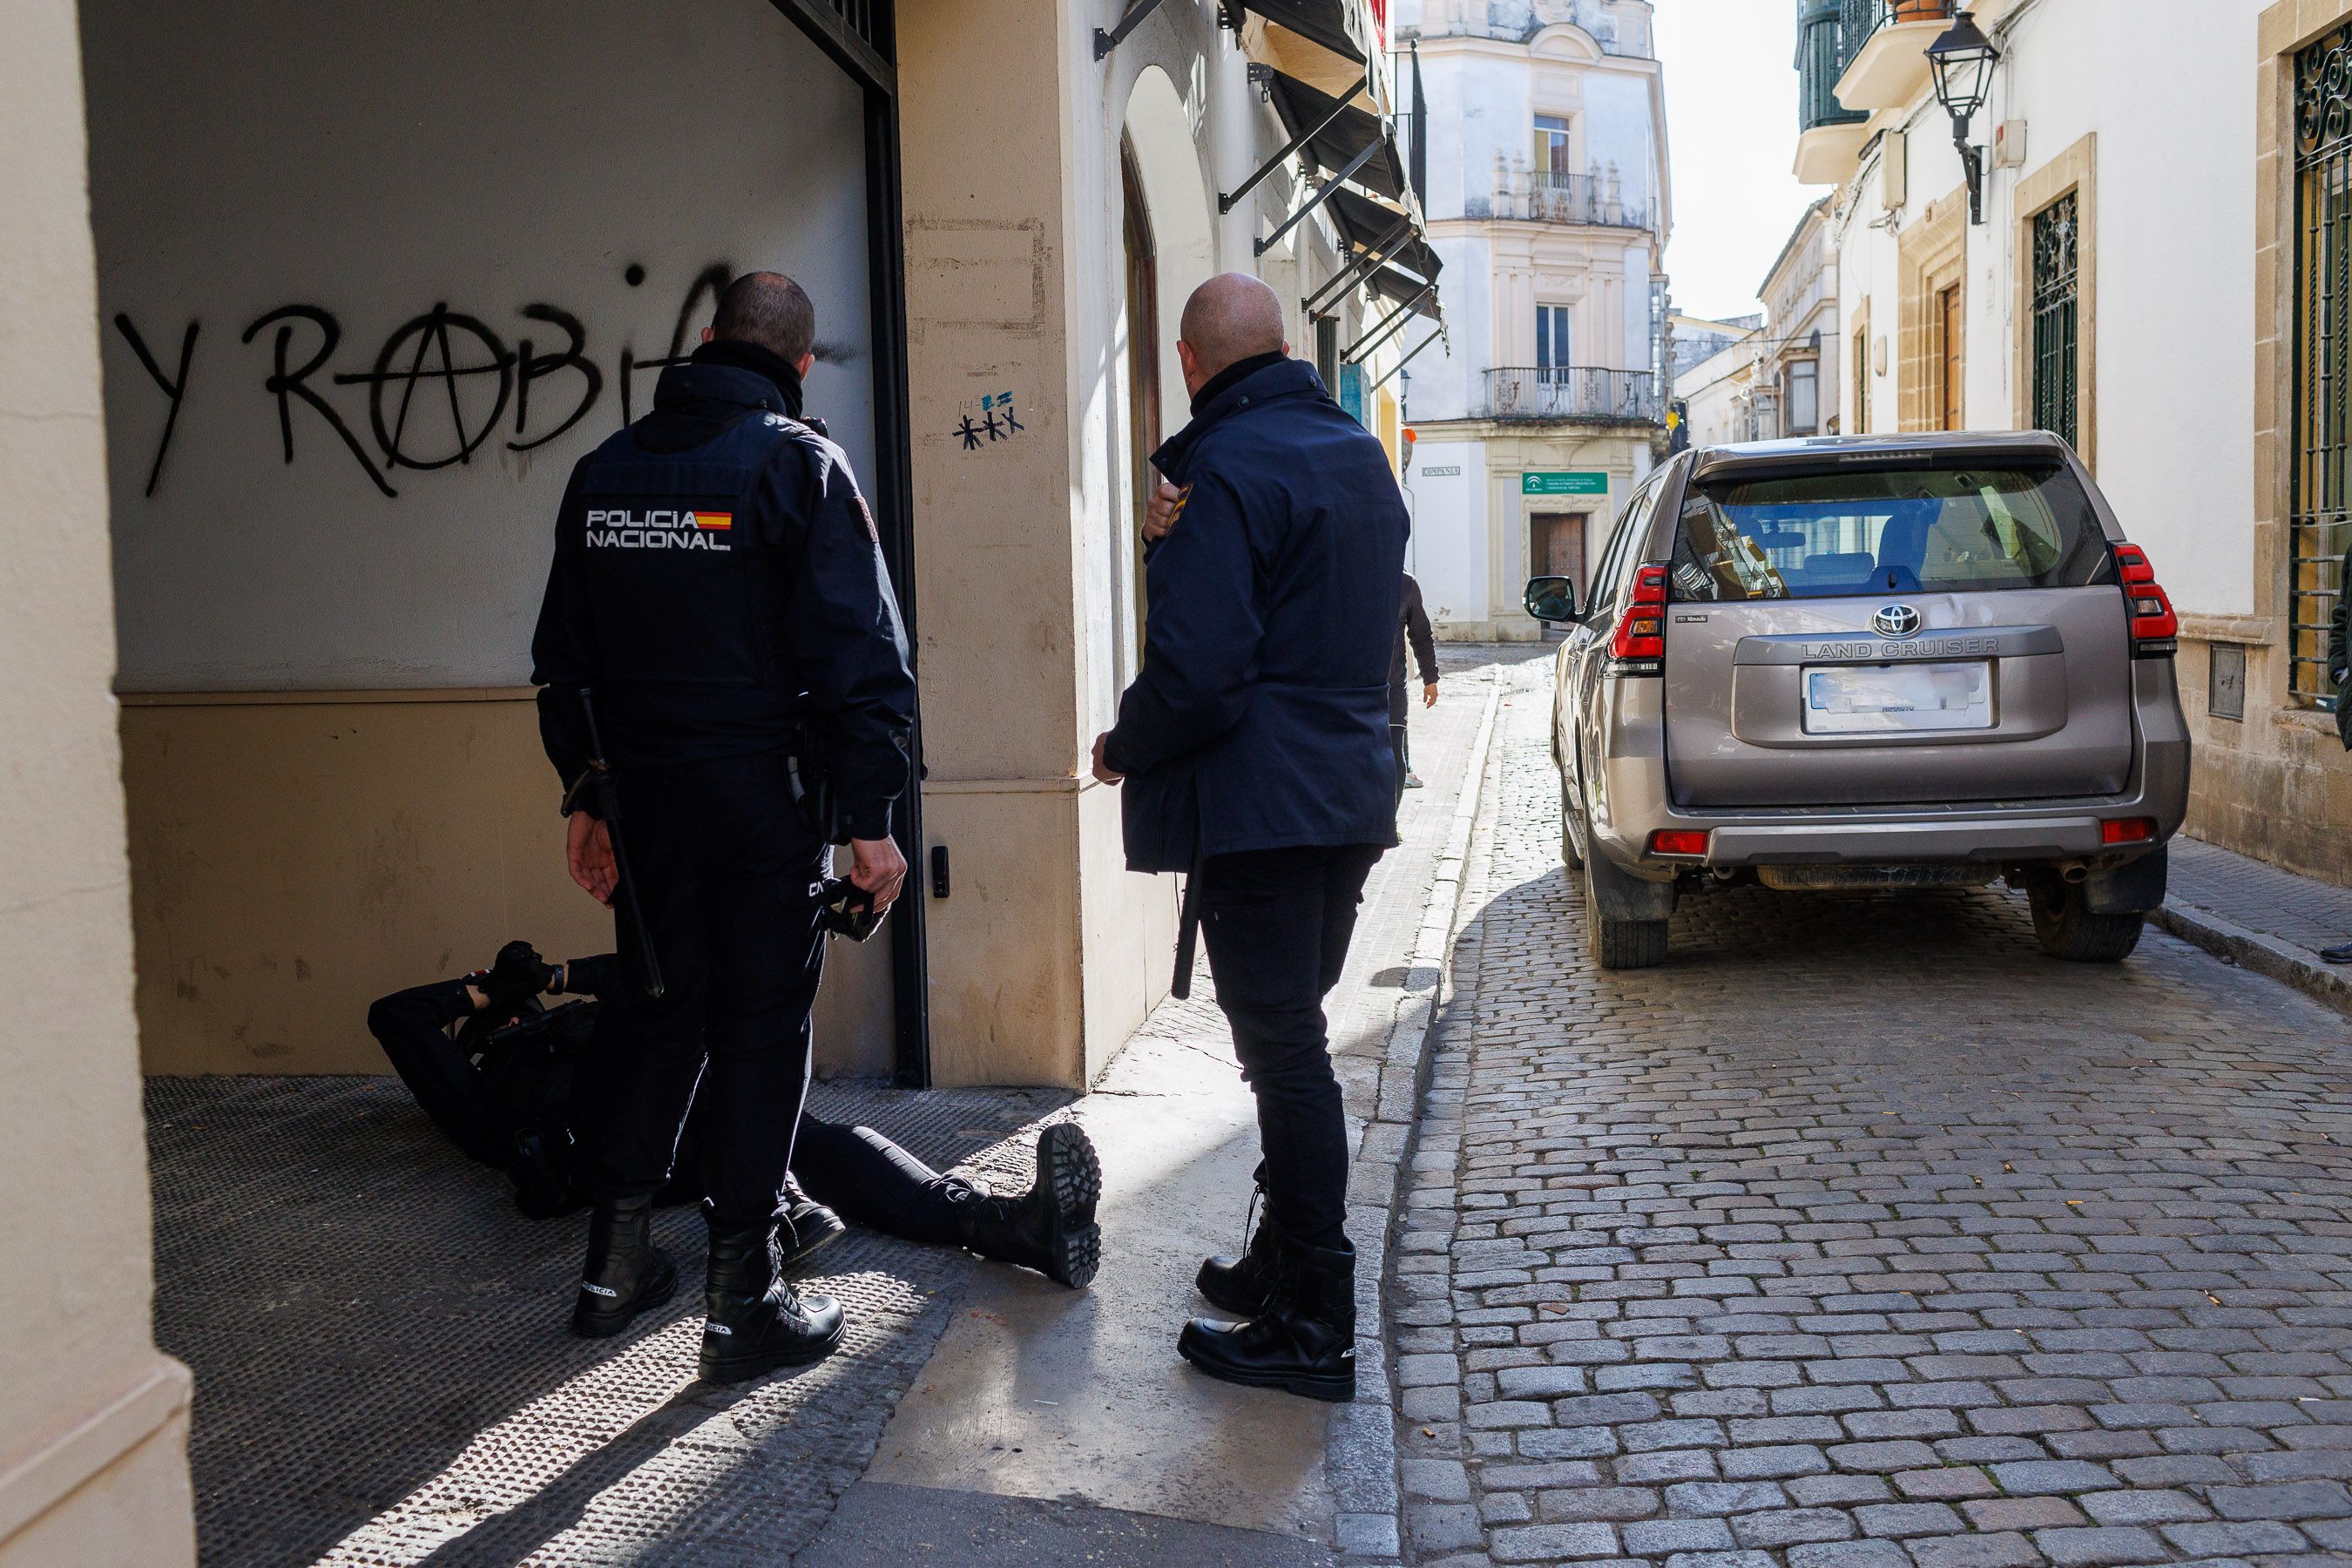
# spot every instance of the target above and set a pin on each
(442, 384)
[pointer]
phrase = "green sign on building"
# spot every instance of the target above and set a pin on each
(1564, 483)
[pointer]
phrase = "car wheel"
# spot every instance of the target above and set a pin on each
(1621, 945)
(1568, 855)
(2065, 925)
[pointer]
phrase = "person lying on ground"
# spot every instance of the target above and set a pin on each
(505, 1077)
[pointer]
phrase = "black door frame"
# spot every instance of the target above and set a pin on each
(861, 38)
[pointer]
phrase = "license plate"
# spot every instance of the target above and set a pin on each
(1868, 699)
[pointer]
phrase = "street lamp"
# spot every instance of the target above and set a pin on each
(1964, 59)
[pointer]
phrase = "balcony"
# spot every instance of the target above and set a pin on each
(1544, 196)
(1885, 43)
(1575, 396)
(1830, 136)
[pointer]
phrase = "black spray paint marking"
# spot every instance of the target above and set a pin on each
(431, 332)
(712, 281)
(176, 388)
(532, 367)
(284, 383)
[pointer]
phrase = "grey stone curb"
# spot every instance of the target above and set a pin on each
(1360, 1452)
(2281, 960)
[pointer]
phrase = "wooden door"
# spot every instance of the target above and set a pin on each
(1556, 548)
(1954, 343)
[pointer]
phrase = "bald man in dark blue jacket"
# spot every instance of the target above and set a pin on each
(1254, 747)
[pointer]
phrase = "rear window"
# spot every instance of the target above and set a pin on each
(1881, 531)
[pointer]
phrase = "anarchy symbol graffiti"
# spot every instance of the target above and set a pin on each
(432, 357)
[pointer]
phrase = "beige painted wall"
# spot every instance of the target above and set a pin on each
(994, 564)
(295, 855)
(92, 1441)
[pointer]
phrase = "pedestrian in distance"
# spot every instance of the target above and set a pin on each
(1252, 748)
(718, 587)
(1412, 627)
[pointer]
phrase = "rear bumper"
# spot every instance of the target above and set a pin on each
(1639, 802)
(2050, 836)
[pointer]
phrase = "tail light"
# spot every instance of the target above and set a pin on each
(1689, 841)
(2127, 830)
(2154, 629)
(1640, 633)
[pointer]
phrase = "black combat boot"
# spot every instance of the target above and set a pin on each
(756, 1322)
(625, 1272)
(1052, 1228)
(1243, 1286)
(1305, 1343)
(807, 1229)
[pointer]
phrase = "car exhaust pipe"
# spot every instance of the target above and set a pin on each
(2074, 873)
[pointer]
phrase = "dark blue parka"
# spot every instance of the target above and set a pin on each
(719, 581)
(1260, 718)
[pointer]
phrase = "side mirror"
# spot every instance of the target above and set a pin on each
(1551, 599)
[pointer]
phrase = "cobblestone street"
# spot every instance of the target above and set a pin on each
(1863, 1235)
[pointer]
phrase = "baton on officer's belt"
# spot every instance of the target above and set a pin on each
(1188, 934)
(608, 811)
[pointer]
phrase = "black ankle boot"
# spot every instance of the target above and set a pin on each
(1305, 1343)
(756, 1322)
(625, 1272)
(1052, 1228)
(1243, 1286)
(807, 1229)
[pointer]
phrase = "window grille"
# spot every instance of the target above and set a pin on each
(2057, 351)
(2323, 354)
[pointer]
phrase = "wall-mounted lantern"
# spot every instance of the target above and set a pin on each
(1963, 58)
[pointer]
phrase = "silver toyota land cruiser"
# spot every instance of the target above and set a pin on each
(1861, 662)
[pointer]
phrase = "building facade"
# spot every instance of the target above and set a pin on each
(311, 311)
(1550, 204)
(2194, 365)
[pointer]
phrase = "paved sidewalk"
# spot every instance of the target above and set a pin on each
(1083, 1403)
(2255, 914)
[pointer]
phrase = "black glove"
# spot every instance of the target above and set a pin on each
(518, 973)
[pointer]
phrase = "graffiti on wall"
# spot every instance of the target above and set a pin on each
(440, 387)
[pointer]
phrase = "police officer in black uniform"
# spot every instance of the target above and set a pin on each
(718, 587)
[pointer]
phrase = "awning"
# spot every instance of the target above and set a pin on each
(1366, 225)
(1341, 136)
(1418, 295)
(1340, 26)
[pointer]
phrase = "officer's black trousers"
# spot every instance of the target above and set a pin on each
(1277, 924)
(725, 867)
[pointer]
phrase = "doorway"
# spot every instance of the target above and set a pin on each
(1142, 371)
(1556, 547)
(1952, 338)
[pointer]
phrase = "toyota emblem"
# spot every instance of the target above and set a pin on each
(1897, 621)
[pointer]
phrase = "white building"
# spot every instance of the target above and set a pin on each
(1547, 201)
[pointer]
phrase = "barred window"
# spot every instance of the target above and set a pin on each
(2057, 351)
(2323, 353)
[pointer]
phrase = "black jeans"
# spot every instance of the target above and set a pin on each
(1397, 743)
(1277, 923)
(725, 867)
(874, 1181)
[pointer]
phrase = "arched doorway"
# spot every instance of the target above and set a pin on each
(1171, 249)
(1144, 370)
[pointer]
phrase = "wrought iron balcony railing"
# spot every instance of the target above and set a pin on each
(1544, 196)
(1859, 18)
(1824, 51)
(1575, 395)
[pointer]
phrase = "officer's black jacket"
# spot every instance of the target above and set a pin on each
(1259, 719)
(718, 582)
